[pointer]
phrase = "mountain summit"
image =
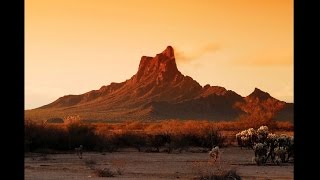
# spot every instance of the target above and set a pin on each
(158, 91)
(257, 93)
(163, 67)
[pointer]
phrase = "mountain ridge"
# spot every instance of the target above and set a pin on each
(160, 91)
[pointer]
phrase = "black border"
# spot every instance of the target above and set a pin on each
(12, 63)
(305, 117)
(13, 84)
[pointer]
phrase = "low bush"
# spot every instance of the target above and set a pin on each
(109, 137)
(106, 172)
(229, 175)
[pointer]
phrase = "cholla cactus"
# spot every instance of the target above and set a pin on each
(260, 152)
(251, 131)
(290, 148)
(266, 145)
(263, 129)
(272, 136)
(260, 159)
(284, 137)
(246, 138)
(272, 139)
(283, 140)
(280, 150)
(262, 133)
(214, 153)
(259, 146)
(280, 153)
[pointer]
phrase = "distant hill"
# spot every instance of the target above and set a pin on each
(159, 91)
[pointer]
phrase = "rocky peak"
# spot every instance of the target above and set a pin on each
(257, 93)
(209, 90)
(162, 67)
(168, 52)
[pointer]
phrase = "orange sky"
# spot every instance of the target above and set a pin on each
(74, 46)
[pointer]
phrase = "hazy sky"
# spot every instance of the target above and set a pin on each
(74, 46)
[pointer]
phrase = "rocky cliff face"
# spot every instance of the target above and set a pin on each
(160, 91)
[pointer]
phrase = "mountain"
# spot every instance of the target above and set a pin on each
(160, 91)
(262, 102)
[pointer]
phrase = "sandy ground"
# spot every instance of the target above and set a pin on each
(135, 165)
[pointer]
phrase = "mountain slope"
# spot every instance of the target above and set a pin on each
(159, 91)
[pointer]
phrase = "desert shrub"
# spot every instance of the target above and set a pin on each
(228, 175)
(79, 133)
(279, 148)
(43, 136)
(54, 138)
(285, 126)
(55, 120)
(119, 165)
(158, 140)
(206, 140)
(179, 142)
(106, 144)
(138, 141)
(109, 137)
(210, 170)
(72, 119)
(90, 163)
(134, 125)
(129, 139)
(203, 135)
(106, 172)
(191, 140)
(213, 138)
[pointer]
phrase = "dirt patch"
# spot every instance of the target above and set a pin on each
(130, 164)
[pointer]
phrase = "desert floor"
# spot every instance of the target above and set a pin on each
(141, 165)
